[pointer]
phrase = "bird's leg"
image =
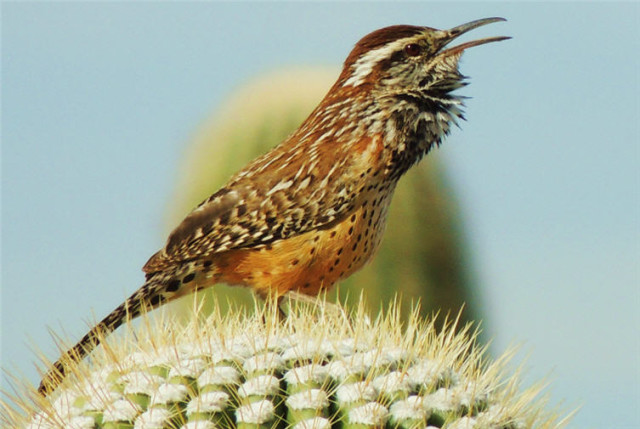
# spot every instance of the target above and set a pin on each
(281, 314)
(273, 309)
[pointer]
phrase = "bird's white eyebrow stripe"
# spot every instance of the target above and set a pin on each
(365, 64)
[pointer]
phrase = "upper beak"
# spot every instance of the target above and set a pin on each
(446, 36)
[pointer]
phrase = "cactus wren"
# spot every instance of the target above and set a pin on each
(312, 210)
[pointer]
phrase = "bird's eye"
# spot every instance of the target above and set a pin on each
(412, 49)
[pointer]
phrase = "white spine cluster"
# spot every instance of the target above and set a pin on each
(312, 372)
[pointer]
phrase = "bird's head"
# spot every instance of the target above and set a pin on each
(398, 82)
(409, 60)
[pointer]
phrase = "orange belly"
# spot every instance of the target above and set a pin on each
(310, 262)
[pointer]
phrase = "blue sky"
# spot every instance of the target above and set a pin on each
(99, 99)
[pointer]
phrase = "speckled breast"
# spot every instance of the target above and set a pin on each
(313, 261)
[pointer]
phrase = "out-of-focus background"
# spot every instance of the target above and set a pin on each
(99, 102)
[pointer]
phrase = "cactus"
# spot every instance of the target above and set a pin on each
(319, 368)
(422, 250)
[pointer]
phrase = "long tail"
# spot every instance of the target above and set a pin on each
(159, 289)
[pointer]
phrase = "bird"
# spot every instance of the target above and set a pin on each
(312, 210)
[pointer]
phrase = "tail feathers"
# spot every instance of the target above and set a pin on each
(159, 289)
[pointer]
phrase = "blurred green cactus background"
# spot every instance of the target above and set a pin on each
(423, 255)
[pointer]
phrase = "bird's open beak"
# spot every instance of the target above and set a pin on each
(447, 36)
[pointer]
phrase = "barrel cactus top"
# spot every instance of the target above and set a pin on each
(319, 368)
